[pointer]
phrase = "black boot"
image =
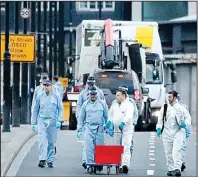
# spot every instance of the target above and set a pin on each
(177, 172)
(125, 169)
(183, 167)
(50, 165)
(42, 163)
(84, 165)
(171, 173)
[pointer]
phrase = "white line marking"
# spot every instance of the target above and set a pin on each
(151, 144)
(151, 154)
(152, 165)
(151, 158)
(79, 141)
(150, 172)
(152, 147)
(151, 150)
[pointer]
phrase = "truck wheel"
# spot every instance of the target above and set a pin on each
(72, 122)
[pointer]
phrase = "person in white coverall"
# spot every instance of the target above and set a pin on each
(187, 131)
(172, 134)
(135, 113)
(121, 117)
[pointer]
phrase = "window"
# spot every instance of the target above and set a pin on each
(42, 6)
(94, 6)
(168, 10)
(2, 5)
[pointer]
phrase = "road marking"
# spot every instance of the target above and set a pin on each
(150, 172)
(151, 144)
(152, 141)
(151, 154)
(151, 150)
(151, 158)
(79, 141)
(152, 147)
(152, 165)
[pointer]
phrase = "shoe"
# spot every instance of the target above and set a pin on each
(42, 163)
(84, 165)
(100, 168)
(183, 167)
(177, 172)
(171, 173)
(125, 169)
(50, 165)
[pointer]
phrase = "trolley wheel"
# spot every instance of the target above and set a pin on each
(94, 170)
(117, 170)
(108, 170)
(90, 170)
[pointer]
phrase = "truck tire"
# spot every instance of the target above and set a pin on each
(144, 117)
(72, 120)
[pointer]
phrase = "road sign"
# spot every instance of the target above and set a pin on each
(25, 13)
(22, 47)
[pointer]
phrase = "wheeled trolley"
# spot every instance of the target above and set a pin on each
(106, 155)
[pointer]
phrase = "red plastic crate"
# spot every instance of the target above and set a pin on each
(108, 154)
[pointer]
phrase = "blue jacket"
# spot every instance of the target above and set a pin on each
(47, 107)
(93, 114)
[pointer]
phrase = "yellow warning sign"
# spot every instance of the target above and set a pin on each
(22, 47)
(64, 81)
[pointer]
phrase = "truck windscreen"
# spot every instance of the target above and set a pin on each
(113, 80)
(149, 73)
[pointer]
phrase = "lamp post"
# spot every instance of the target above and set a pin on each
(7, 71)
(16, 116)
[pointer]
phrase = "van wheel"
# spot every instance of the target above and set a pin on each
(73, 122)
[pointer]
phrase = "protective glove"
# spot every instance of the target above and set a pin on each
(79, 134)
(108, 124)
(121, 126)
(187, 134)
(183, 125)
(34, 128)
(58, 125)
(159, 132)
(111, 133)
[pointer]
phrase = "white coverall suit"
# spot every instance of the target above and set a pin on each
(172, 135)
(117, 115)
(187, 120)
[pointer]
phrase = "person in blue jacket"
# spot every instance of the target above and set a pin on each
(92, 119)
(47, 111)
(84, 95)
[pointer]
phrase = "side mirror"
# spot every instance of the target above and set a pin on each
(173, 77)
(155, 74)
(145, 91)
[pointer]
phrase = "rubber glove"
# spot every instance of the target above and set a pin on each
(183, 125)
(187, 134)
(159, 132)
(121, 126)
(58, 125)
(79, 134)
(108, 124)
(34, 128)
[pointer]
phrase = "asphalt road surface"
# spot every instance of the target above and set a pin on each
(148, 157)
